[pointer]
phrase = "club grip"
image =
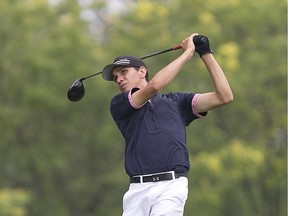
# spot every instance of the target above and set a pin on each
(176, 47)
(199, 39)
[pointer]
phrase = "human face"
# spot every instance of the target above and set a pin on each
(126, 78)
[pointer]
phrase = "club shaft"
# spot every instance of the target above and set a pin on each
(82, 79)
(197, 39)
(176, 47)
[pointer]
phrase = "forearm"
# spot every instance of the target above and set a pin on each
(220, 82)
(168, 73)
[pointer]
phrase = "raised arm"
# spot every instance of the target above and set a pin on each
(222, 93)
(167, 74)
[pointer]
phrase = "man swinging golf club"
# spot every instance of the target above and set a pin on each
(153, 125)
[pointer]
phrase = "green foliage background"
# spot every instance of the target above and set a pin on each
(63, 158)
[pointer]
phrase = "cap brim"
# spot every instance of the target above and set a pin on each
(107, 72)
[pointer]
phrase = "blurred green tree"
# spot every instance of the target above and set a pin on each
(69, 156)
(13, 202)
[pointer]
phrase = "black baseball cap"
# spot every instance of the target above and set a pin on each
(126, 61)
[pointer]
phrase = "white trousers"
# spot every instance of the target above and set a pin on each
(165, 198)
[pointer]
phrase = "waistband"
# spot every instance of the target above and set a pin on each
(156, 177)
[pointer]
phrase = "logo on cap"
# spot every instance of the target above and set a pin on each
(122, 61)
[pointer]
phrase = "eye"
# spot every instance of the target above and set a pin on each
(124, 71)
(120, 72)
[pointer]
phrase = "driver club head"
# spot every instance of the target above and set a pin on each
(77, 91)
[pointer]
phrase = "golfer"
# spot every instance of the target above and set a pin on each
(153, 125)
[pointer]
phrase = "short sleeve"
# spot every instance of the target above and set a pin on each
(122, 105)
(187, 104)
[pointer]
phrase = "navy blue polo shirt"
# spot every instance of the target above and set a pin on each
(155, 132)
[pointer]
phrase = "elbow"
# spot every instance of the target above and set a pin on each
(154, 86)
(228, 98)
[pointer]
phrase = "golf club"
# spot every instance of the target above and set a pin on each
(77, 90)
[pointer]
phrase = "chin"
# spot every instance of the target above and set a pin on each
(124, 89)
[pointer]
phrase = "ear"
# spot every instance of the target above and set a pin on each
(143, 71)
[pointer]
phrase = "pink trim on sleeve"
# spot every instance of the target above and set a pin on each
(132, 103)
(194, 106)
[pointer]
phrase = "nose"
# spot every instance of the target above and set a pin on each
(119, 78)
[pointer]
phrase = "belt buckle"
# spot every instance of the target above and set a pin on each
(172, 173)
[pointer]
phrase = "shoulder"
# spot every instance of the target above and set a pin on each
(123, 97)
(117, 99)
(121, 105)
